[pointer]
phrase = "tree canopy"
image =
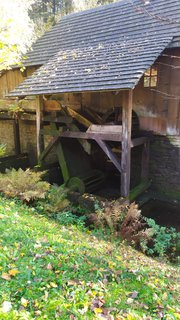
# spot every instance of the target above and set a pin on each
(16, 31)
(22, 21)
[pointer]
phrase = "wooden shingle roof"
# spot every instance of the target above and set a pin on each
(106, 48)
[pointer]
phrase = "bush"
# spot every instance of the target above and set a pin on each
(143, 233)
(26, 185)
(161, 240)
(55, 201)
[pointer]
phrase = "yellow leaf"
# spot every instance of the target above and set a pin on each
(24, 302)
(6, 276)
(164, 297)
(53, 285)
(98, 310)
(13, 272)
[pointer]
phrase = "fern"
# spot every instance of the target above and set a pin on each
(26, 185)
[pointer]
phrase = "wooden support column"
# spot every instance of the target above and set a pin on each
(17, 142)
(39, 125)
(126, 142)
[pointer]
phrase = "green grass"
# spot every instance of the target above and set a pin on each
(51, 271)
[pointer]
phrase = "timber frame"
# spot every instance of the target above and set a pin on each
(123, 137)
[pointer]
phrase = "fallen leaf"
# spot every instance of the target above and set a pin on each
(6, 276)
(98, 310)
(24, 302)
(49, 266)
(13, 272)
(129, 301)
(53, 285)
(164, 297)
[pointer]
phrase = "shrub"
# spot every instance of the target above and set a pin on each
(26, 185)
(141, 232)
(161, 240)
(56, 200)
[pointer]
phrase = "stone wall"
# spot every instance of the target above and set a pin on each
(165, 165)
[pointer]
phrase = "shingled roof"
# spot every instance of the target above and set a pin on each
(106, 48)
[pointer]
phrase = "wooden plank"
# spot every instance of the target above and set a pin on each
(145, 162)
(91, 135)
(112, 156)
(51, 105)
(143, 186)
(39, 125)
(60, 119)
(17, 142)
(126, 142)
(108, 129)
(94, 115)
(62, 162)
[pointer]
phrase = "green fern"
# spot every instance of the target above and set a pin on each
(26, 185)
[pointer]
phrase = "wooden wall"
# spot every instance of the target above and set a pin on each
(10, 79)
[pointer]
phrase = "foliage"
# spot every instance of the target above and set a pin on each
(2, 150)
(88, 4)
(25, 185)
(55, 201)
(145, 234)
(46, 13)
(68, 218)
(16, 31)
(161, 240)
(51, 271)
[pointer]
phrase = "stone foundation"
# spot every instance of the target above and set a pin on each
(165, 165)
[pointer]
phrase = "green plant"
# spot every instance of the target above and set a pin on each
(26, 185)
(68, 218)
(55, 200)
(2, 150)
(161, 240)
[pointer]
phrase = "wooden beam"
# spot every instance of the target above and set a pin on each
(142, 187)
(110, 154)
(62, 162)
(91, 135)
(48, 149)
(17, 142)
(126, 142)
(39, 125)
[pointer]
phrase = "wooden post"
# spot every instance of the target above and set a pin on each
(126, 142)
(17, 142)
(39, 125)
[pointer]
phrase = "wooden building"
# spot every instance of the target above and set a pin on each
(107, 76)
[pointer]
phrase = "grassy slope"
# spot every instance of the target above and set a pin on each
(67, 273)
